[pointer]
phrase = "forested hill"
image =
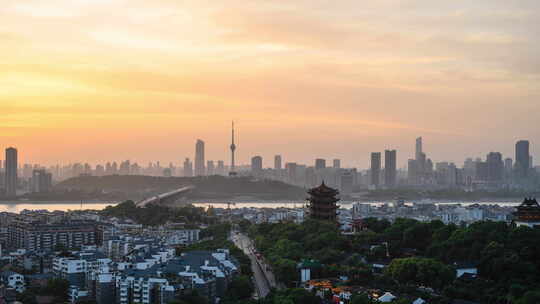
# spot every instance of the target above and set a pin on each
(208, 187)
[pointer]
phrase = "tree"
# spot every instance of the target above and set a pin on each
(424, 271)
(286, 271)
(362, 298)
(531, 297)
(291, 296)
(240, 288)
(58, 288)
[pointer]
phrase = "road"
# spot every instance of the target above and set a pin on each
(264, 278)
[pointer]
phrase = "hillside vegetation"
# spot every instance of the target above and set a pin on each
(208, 187)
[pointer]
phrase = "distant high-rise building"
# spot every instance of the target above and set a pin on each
(418, 148)
(41, 181)
(412, 172)
(292, 174)
(320, 164)
(375, 168)
(481, 171)
(522, 158)
(188, 168)
(100, 170)
(390, 167)
(11, 172)
(495, 167)
(199, 158)
(220, 167)
(256, 165)
(508, 165)
(337, 163)
(210, 168)
(346, 182)
(277, 162)
(531, 164)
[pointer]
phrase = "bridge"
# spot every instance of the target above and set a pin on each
(167, 197)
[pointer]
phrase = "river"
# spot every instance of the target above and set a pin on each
(17, 207)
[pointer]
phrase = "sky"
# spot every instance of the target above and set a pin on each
(98, 80)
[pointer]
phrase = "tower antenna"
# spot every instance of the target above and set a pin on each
(233, 149)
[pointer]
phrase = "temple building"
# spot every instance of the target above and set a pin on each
(322, 203)
(528, 213)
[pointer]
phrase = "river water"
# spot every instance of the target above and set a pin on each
(17, 207)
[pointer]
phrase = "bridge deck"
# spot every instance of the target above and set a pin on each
(162, 196)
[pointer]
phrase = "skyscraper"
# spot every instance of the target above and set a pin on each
(277, 162)
(210, 168)
(375, 168)
(495, 167)
(188, 168)
(337, 163)
(220, 167)
(418, 148)
(390, 167)
(11, 172)
(41, 181)
(522, 158)
(256, 165)
(508, 165)
(412, 174)
(199, 158)
(320, 163)
(292, 174)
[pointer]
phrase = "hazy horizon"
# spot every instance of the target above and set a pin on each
(103, 80)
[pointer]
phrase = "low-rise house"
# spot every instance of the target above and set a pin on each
(13, 280)
(387, 297)
(182, 237)
(466, 268)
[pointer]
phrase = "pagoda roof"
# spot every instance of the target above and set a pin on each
(323, 189)
(530, 202)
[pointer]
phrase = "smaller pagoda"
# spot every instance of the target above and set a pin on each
(528, 213)
(322, 203)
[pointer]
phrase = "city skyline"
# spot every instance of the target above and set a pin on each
(299, 77)
(268, 159)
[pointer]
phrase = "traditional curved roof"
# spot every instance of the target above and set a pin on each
(323, 189)
(530, 202)
(529, 210)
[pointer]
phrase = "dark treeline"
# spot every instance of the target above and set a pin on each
(155, 214)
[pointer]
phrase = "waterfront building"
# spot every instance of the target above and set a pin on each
(256, 165)
(390, 168)
(522, 158)
(320, 164)
(41, 181)
(188, 168)
(375, 168)
(199, 158)
(11, 180)
(277, 162)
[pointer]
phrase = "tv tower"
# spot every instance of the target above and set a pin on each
(232, 172)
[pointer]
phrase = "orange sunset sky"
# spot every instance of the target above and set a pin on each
(98, 80)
